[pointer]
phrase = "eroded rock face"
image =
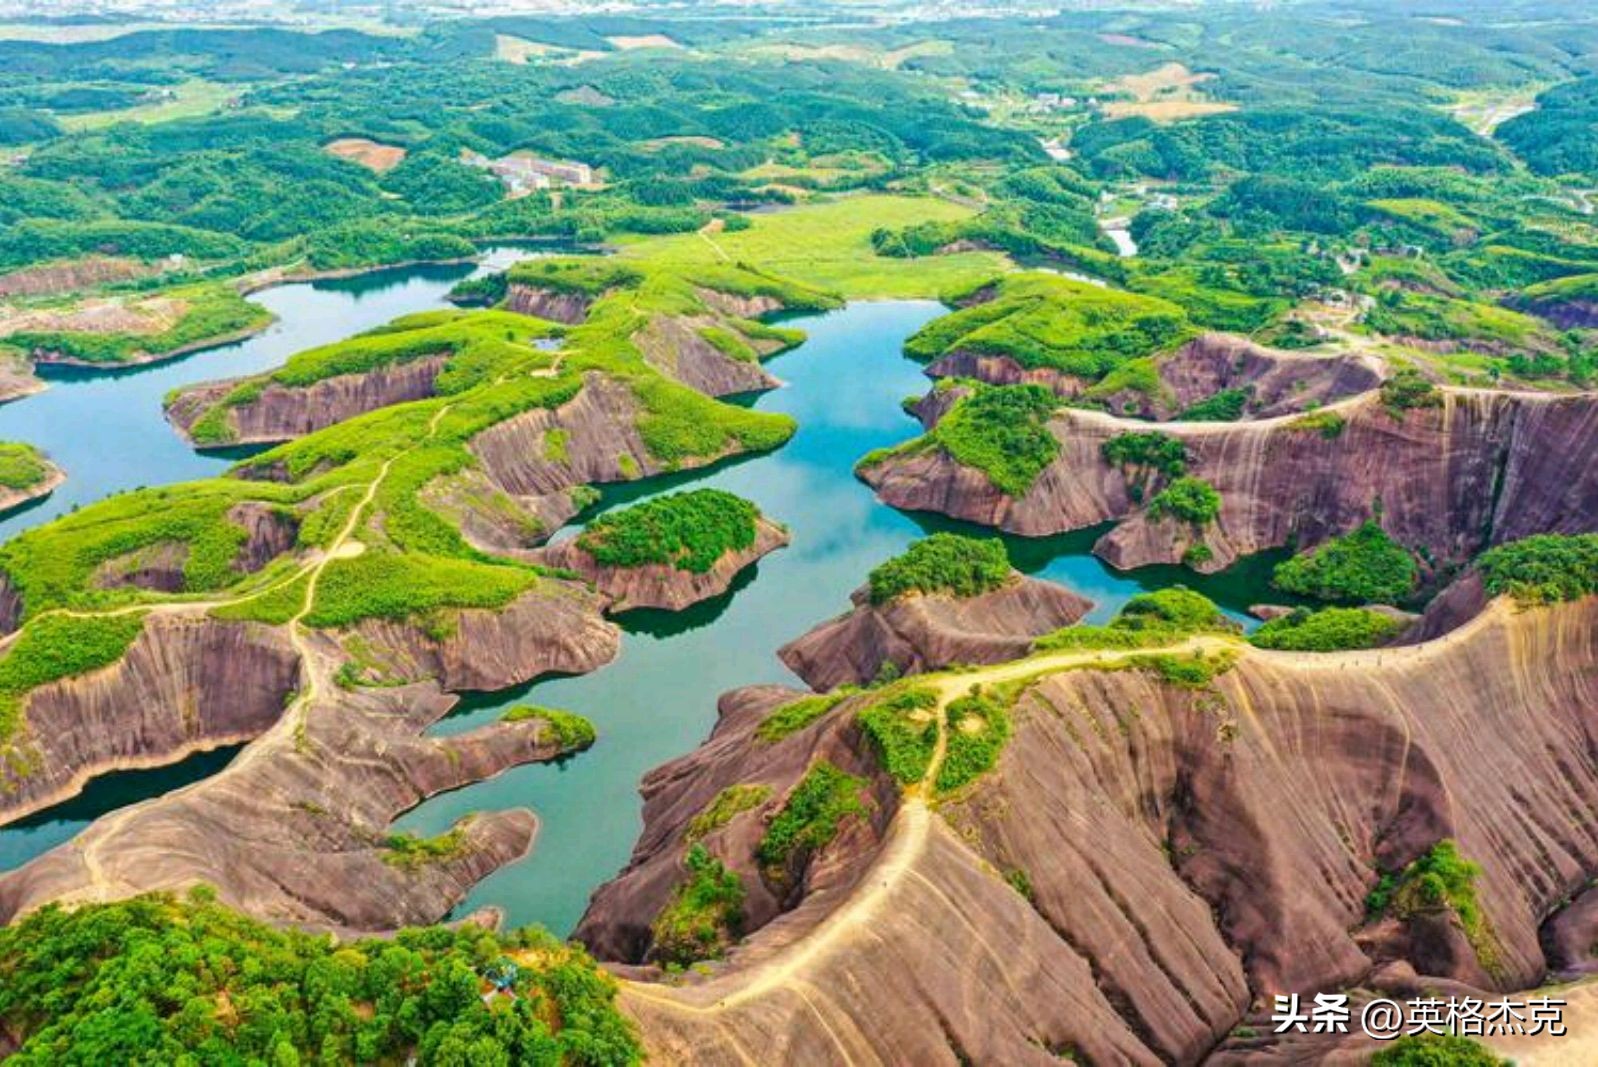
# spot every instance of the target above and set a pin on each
(17, 378)
(598, 442)
(186, 684)
(616, 925)
(294, 829)
(1458, 603)
(158, 567)
(10, 605)
(662, 586)
(282, 412)
(677, 349)
(492, 520)
(1481, 469)
(737, 305)
(1182, 853)
(549, 304)
(930, 409)
(268, 533)
(925, 632)
(1277, 382)
(556, 626)
(602, 442)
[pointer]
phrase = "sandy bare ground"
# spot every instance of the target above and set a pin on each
(649, 40)
(51, 279)
(370, 154)
(520, 50)
(657, 143)
(154, 315)
(1126, 41)
(849, 53)
(1165, 94)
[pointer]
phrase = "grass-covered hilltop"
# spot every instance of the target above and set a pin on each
(410, 511)
(25, 474)
(1286, 315)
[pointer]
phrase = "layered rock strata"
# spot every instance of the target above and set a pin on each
(282, 412)
(296, 828)
(923, 632)
(1146, 862)
(1276, 382)
(1479, 469)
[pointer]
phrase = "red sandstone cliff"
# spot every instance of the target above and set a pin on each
(1452, 480)
(919, 633)
(550, 304)
(1277, 382)
(1182, 853)
(294, 829)
(659, 585)
(282, 412)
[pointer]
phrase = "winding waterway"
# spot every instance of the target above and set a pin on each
(105, 428)
(658, 699)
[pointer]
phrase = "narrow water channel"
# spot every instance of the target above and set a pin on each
(657, 701)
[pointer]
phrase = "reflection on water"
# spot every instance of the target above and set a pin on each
(37, 834)
(658, 699)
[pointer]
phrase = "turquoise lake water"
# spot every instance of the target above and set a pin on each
(658, 699)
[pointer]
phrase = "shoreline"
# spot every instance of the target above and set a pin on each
(249, 285)
(75, 786)
(145, 359)
(13, 499)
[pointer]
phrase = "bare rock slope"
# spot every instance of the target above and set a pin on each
(282, 412)
(919, 632)
(296, 828)
(1145, 861)
(186, 684)
(1275, 382)
(1480, 469)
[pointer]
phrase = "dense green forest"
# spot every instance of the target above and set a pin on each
(258, 171)
(161, 980)
(1301, 143)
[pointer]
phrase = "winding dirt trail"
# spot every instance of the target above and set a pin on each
(314, 671)
(907, 839)
(101, 886)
